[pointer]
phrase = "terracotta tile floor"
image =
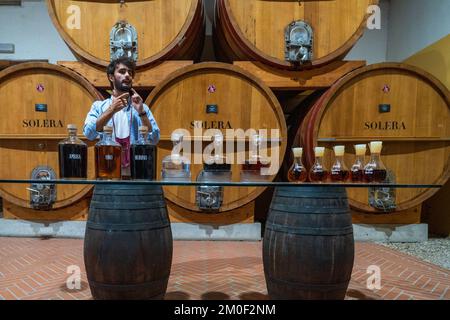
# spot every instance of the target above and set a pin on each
(37, 269)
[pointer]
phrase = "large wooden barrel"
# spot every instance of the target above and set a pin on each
(308, 246)
(255, 30)
(166, 29)
(128, 243)
(403, 106)
(240, 100)
(40, 101)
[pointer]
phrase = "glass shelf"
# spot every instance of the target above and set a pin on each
(224, 184)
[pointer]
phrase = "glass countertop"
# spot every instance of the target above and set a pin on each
(219, 183)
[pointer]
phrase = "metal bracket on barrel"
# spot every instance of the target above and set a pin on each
(123, 41)
(42, 195)
(383, 199)
(299, 42)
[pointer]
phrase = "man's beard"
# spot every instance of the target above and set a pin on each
(122, 86)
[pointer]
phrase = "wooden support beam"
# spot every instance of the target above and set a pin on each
(8, 63)
(318, 78)
(313, 79)
(145, 79)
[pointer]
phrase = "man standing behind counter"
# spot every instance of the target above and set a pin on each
(125, 111)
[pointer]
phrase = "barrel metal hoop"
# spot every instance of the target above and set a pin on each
(126, 192)
(331, 196)
(304, 210)
(112, 206)
(323, 287)
(311, 231)
(128, 227)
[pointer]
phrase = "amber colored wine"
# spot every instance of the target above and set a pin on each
(339, 175)
(72, 161)
(374, 175)
(357, 175)
(108, 162)
(318, 176)
(297, 175)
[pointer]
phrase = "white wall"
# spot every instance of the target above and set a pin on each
(416, 24)
(30, 29)
(372, 46)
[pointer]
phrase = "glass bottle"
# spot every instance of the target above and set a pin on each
(357, 169)
(108, 156)
(318, 172)
(72, 155)
(253, 168)
(297, 172)
(176, 167)
(375, 171)
(339, 171)
(143, 157)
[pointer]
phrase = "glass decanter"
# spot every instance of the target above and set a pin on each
(252, 169)
(297, 172)
(108, 155)
(176, 167)
(72, 155)
(339, 171)
(357, 169)
(375, 171)
(318, 172)
(143, 157)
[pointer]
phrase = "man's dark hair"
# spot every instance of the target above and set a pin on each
(122, 60)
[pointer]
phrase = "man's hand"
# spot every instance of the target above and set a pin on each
(120, 102)
(137, 102)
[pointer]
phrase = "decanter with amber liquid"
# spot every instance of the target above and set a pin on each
(357, 169)
(339, 171)
(318, 172)
(108, 156)
(297, 172)
(375, 171)
(254, 169)
(72, 155)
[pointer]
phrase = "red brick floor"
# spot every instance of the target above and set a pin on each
(37, 269)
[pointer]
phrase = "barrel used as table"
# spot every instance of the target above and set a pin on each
(308, 246)
(128, 243)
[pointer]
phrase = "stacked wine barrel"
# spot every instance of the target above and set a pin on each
(242, 30)
(42, 99)
(181, 102)
(30, 132)
(166, 29)
(403, 106)
(255, 30)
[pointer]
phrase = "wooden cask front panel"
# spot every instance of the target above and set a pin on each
(166, 29)
(255, 30)
(415, 129)
(243, 102)
(43, 100)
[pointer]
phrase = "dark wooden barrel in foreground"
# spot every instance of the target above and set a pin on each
(128, 243)
(308, 247)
